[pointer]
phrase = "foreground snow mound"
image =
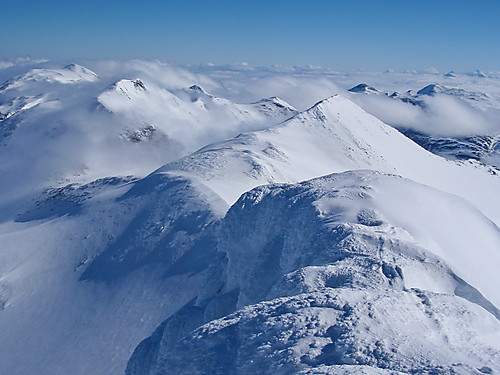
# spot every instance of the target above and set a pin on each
(362, 213)
(357, 269)
(342, 331)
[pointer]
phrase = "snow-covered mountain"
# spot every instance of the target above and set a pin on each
(72, 73)
(72, 125)
(363, 88)
(470, 116)
(327, 276)
(249, 257)
(253, 254)
(475, 98)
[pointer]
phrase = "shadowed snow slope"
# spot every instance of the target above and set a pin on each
(331, 276)
(84, 262)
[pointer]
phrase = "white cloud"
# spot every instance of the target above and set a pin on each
(443, 115)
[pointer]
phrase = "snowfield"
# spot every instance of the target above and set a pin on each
(155, 220)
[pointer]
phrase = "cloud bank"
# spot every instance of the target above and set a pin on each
(442, 115)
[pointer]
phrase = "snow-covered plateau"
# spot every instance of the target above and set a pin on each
(156, 219)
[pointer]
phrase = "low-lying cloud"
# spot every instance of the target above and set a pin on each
(441, 115)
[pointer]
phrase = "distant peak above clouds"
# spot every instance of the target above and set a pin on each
(69, 74)
(80, 70)
(430, 90)
(197, 89)
(478, 73)
(364, 88)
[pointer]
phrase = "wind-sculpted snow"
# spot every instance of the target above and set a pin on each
(335, 274)
(342, 331)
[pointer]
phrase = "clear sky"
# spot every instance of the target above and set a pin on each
(344, 35)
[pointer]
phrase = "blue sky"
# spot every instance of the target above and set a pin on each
(344, 35)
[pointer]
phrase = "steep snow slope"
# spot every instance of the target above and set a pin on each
(337, 276)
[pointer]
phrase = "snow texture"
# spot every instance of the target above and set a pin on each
(321, 281)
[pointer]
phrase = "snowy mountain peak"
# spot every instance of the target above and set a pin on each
(320, 111)
(70, 74)
(279, 100)
(450, 74)
(128, 85)
(478, 73)
(197, 93)
(431, 90)
(128, 88)
(197, 89)
(80, 70)
(138, 84)
(336, 103)
(363, 88)
(274, 101)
